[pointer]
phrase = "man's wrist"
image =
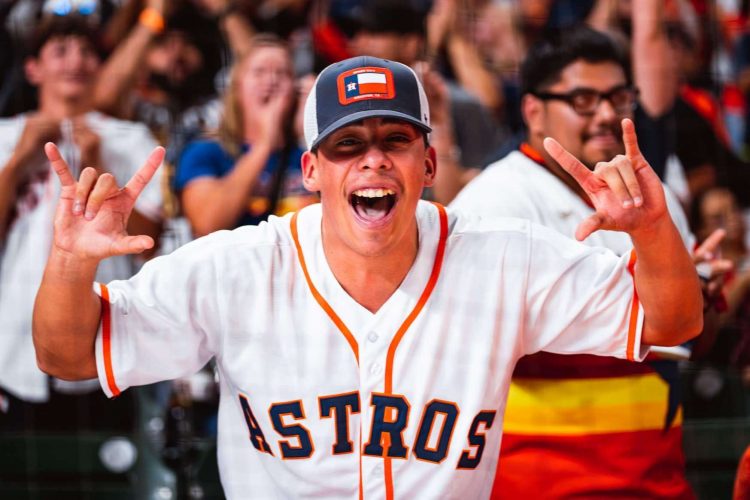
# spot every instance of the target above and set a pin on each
(71, 268)
(652, 233)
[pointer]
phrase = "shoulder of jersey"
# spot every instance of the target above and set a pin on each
(502, 176)
(514, 166)
(464, 223)
(245, 239)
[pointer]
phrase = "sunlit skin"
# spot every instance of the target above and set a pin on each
(374, 153)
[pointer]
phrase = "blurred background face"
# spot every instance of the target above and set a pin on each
(263, 73)
(719, 210)
(174, 58)
(65, 68)
(589, 138)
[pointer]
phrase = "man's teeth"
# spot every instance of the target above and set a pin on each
(373, 193)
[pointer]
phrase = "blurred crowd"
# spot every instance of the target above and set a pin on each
(222, 85)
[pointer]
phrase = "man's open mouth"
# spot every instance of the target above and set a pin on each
(373, 204)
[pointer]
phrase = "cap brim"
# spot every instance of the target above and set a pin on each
(361, 115)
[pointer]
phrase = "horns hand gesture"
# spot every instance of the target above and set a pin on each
(92, 214)
(626, 192)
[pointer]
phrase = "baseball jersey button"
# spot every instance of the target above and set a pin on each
(373, 337)
(378, 469)
(376, 369)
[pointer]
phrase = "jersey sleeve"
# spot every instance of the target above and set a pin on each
(581, 299)
(159, 325)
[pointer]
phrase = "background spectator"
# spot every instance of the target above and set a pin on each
(62, 64)
(253, 169)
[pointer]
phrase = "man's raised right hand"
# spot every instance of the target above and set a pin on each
(92, 214)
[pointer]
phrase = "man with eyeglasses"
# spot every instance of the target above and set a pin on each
(581, 425)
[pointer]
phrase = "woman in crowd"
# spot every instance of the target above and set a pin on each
(252, 169)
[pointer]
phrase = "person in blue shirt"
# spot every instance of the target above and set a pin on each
(252, 169)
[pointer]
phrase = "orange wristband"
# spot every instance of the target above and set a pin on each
(152, 19)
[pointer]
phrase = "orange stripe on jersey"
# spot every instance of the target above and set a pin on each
(405, 326)
(633, 310)
(336, 321)
(107, 340)
(532, 153)
(318, 297)
(399, 334)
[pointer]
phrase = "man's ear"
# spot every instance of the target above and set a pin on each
(532, 110)
(310, 171)
(430, 166)
(32, 70)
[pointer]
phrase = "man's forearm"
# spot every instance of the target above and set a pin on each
(119, 73)
(667, 285)
(66, 318)
(219, 204)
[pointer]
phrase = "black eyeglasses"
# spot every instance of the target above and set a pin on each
(585, 101)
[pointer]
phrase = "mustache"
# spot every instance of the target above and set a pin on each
(614, 129)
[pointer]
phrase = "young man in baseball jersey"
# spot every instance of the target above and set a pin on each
(366, 343)
(580, 426)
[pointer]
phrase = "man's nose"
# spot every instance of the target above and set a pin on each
(75, 58)
(605, 111)
(375, 158)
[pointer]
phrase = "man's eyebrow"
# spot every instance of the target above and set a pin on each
(358, 123)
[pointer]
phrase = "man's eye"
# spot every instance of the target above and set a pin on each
(584, 99)
(347, 142)
(398, 138)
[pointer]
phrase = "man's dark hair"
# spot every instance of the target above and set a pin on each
(62, 26)
(548, 58)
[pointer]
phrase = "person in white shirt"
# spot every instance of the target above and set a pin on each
(63, 65)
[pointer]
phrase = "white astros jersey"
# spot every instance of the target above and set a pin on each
(322, 398)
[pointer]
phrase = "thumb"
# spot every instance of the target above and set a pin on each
(590, 224)
(132, 245)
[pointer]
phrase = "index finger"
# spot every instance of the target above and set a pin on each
(142, 177)
(59, 165)
(707, 249)
(630, 139)
(567, 161)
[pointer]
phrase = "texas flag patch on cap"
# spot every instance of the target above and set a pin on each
(365, 83)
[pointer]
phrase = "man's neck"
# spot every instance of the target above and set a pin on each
(370, 279)
(60, 109)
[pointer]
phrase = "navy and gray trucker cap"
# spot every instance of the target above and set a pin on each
(363, 87)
